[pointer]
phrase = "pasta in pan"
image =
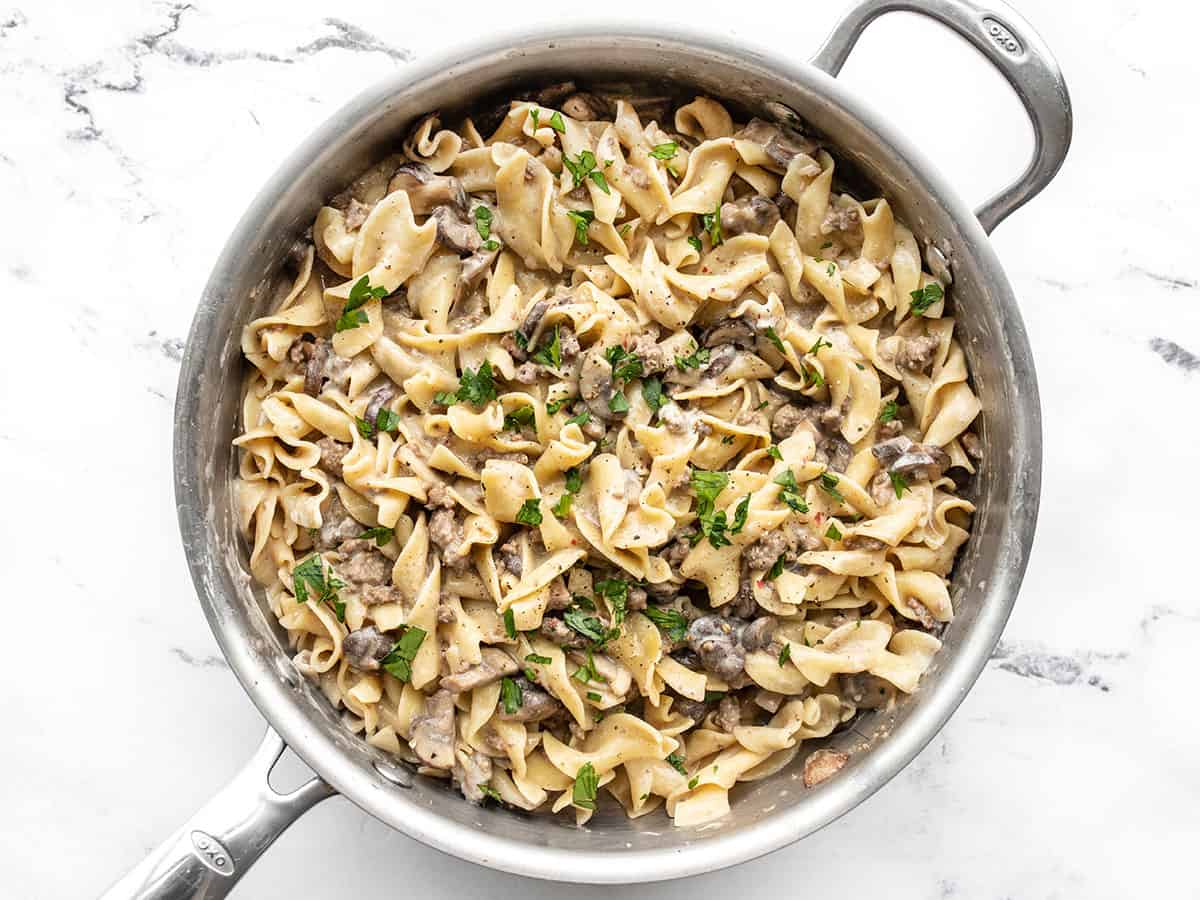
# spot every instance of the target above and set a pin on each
(619, 449)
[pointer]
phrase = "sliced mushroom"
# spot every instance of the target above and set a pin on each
(473, 771)
(473, 268)
(365, 648)
(758, 634)
(311, 355)
(432, 735)
(729, 714)
(731, 331)
(596, 383)
(379, 397)
(781, 144)
(749, 215)
(427, 191)
(454, 231)
(531, 328)
(536, 704)
(919, 462)
(722, 358)
(494, 664)
(585, 107)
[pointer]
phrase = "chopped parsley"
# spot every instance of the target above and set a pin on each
(711, 222)
(617, 402)
(490, 791)
(785, 654)
(692, 784)
(492, 244)
(582, 419)
(925, 297)
(830, 269)
(589, 626)
(583, 794)
(399, 661)
(616, 592)
(707, 486)
(555, 405)
(352, 313)
(774, 338)
(534, 113)
(790, 493)
(582, 219)
(378, 534)
(676, 762)
(890, 411)
(665, 151)
(483, 221)
(728, 439)
(540, 660)
(812, 376)
(776, 569)
(762, 405)
(698, 358)
(510, 624)
(625, 365)
(594, 697)
(829, 484)
(740, 514)
(386, 420)
(518, 418)
(550, 354)
(587, 672)
(816, 348)
(475, 388)
(583, 168)
(899, 485)
(652, 393)
(530, 512)
(774, 453)
(510, 695)
(310, 575)
(557, 123)
(573, 486)
(696, 244)
(672, 621)
(832, 532)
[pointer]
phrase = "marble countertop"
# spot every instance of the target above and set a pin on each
(135, 134)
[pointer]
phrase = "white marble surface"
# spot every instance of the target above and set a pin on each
(135, 133)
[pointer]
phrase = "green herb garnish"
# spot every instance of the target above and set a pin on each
(557, 123)
(785, 654)
(776, 569)
(583, 794)
(740, 514)
(829, 484)
(378, 534)
(695, 242)
(665, 151)
(518, 418)
(698, 358)
(672, 621)
(510, 695)
(925, 297)
(589, 626)
(899, 485)
(311, 575)
(890, 411)
(539, 660)
(574, 484)
(707, 486)
(475, 388)
(582, 419)
(652, 393)
(550, 354)
(617, 402)
(676, 762)
(774, 338)
(711, 222)
(555, 405)
(582, 219)
(483, 222)
(584, 168)
(399, 661)
(790, 494)
(530, 512)
(774, 453)
(832, 532)
(816, 348)
(352, 314)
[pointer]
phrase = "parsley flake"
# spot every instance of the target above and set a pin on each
(583, 794)
(785, 654)
(510, 695)
(829, 484)
(711, 222)
(557, 123)
(672, 621)
(696, 244)
(584, 168)
(790, 493)
(555, 405)
(774, 338)
(483, 222)
(582, 219)
(550, 354)
(740, 515)
(776, 569)
(676, 762)
(352, 313)
(510, 624)
(378, 534)
(530, 512)
(699, 357)
(665, 151)
(652, 393)
(899, 485)
(832, 532)
(399, 661)
(890, 411)
(518, 418)
(925, 297)
(774, 453)
(707, 486)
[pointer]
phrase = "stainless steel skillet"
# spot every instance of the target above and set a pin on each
(206, 856)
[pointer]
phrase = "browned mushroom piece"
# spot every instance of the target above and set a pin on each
(365, 648)
(536, 705)
(915, 462)
(493, 665)
(779, 143)
(432, 735)
(454, 231)
(748, 215)
(596, 383)
(427, 191)
(474, 267)
(822, 765)
(584, 107)
(731, 331)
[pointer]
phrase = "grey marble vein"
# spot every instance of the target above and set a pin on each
(11, 22)
(1174, 355)
(200, 662)
(1031, 661)
(1172, 282)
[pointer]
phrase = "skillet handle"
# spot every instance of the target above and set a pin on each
(1011, 45)
(211, 851)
